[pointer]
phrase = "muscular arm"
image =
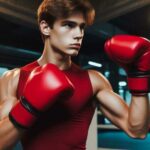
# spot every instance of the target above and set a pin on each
(133, 119)
(9, 134)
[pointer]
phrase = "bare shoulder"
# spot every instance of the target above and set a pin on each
(9, 82)
(98, 81)
(8, 88)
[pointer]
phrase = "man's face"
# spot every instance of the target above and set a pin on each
(67, 34)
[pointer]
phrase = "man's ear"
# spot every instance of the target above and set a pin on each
(45, 28)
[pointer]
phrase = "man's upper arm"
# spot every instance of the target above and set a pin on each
(111, 104)
(8, 88)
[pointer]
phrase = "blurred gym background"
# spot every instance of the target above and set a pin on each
(20, 43)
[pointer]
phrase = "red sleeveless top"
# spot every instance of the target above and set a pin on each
(65, 125)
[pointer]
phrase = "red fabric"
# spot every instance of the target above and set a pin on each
(66, 124)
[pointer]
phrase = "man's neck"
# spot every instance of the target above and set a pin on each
(62, 61)
(61, 64)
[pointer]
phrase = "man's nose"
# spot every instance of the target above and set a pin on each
(78, 33)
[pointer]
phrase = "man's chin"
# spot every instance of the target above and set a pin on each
(74, 53)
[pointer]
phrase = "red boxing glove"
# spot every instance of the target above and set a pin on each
(45, 85)
(133, 54)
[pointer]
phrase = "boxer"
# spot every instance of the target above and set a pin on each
(49, 103)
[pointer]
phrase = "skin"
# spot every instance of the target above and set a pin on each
(58, 49)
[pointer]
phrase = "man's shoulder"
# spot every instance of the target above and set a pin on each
(10, 76)
(8, 83)
(96, 75)
(11, 73)
(98, 80)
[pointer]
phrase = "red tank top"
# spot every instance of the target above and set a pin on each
(65, 125)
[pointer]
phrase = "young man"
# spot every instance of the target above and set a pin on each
(49, 103)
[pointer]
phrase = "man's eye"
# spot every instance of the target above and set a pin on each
(69, 25)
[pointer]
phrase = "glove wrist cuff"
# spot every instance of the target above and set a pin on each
(21, 117)
(139, 85)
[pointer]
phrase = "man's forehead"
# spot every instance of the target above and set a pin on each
(76, 18)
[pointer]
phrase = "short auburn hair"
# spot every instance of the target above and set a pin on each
(50, 10)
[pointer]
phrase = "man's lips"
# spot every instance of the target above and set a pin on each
(75, 45)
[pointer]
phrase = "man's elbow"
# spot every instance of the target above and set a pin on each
(138, 132)
(138, 135)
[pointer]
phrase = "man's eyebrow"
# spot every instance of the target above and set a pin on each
(69, 21)
(73, 22)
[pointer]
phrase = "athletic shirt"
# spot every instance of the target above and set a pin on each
(65, 125)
